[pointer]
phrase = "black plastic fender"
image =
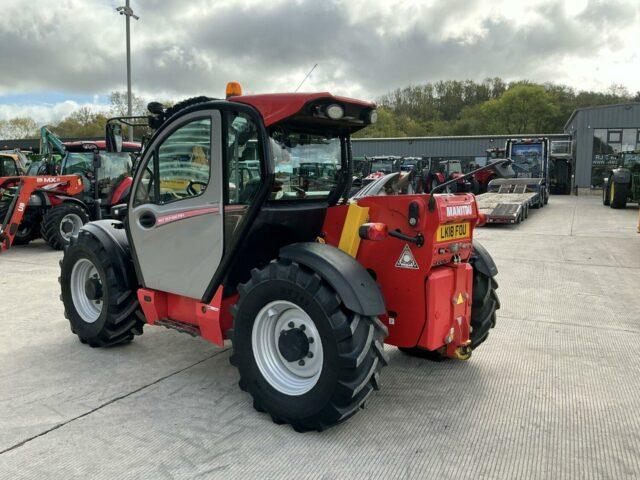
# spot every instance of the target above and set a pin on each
(66, 199)
(621, 176)
(112, 236)
(483, 261)
(358, 290)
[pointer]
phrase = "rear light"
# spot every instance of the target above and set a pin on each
(482, 219)
(373, 231)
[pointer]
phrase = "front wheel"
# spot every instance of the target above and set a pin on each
(28, 229)
(101, 309)
(302, 355)
(61, 223)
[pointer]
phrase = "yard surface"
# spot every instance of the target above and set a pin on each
(553, 393)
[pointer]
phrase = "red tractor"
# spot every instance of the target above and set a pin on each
(483, 178)
(19, 218)
(55, 214)
(307, 286)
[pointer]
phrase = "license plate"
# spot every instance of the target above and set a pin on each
(453, 232)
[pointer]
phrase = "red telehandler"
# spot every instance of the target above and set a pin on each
(305, 284)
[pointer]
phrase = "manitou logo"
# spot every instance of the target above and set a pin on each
(48, 179)
(459, 210)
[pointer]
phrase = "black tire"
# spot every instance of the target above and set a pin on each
(483, 315)
(51, 223)
(353, 352)
(121, 317)
(619, 195)
(605, 194)
(546, 196)
(29, 228)
(484, 306)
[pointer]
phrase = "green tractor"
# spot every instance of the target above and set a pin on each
(622, 184)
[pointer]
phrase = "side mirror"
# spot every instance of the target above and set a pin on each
(119, 212)
(114, 137)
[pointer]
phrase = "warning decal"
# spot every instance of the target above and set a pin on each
(407, 260)
(460, 299)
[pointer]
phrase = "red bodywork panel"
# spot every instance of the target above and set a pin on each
(419, 297)
(210, 321)
(275, 107)
(485, 176)
(68, 185)
(120, 190)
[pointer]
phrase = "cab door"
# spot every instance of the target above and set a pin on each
(176, 212)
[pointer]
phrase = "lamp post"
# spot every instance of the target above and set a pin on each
(127, 11)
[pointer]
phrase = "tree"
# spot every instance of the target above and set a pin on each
(20, 127)
(118, 102)
(82, 123)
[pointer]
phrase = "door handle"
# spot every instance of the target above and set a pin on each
(147, 220)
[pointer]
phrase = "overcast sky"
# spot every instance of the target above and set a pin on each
(55, 56)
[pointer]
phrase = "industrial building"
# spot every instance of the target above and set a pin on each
(599, 134)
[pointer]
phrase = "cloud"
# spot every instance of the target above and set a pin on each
(363, 47)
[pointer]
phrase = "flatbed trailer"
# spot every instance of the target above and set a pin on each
(510, 199)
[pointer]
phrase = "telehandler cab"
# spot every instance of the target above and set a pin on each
(306, 286)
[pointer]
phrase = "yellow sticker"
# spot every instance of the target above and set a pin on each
(460, 299)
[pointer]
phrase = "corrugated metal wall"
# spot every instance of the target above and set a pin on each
(473, 146)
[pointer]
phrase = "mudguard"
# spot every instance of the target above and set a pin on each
(621, 176)
(112, 236)
(358, 290)
(67, 199)
(483, 261)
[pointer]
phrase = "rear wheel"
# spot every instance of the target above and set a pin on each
(618, 195)
(101, 309)
(605, 194)
(61, 223)
(302, 355)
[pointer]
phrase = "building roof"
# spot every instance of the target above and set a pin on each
(596, 107)
(464, 137)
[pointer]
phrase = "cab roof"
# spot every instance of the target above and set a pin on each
(275, 107)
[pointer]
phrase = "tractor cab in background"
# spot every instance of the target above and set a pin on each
(452, 169)
(483, 178)
(13, 163)
(561, 167)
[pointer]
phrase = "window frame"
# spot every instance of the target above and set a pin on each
(614, 130)
(9, 160)
(226, 114)
(156, 160)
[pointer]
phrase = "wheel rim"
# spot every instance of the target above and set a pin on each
(70, 225)
(291, 377)
(612, 192)
(84, 277)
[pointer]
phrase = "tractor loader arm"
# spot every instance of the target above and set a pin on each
(350, 279)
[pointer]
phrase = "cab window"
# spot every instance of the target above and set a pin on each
(242, 160)
(307, 165)
(183, 164)
(9, 167)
